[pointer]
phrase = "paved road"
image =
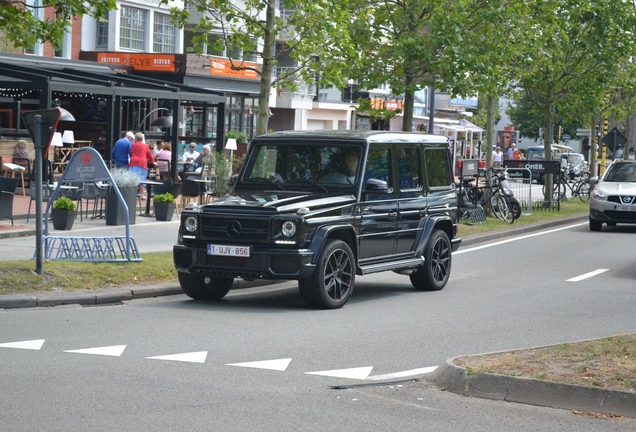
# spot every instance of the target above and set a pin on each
(173, 363)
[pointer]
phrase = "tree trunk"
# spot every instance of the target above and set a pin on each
(547, 149)
(409, 100)
(269, 62)
(490, 119)
(628, 133)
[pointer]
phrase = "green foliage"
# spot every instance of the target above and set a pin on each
(20, 25)
(243, 138)
(64, 203)
(232, 134)
(527, 119)
(166, 198)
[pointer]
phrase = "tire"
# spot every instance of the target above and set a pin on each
(595, 225)
(204, 288)
(434, 273)
(583, 191)
(501, 209)
(332, 283)
(515, 207)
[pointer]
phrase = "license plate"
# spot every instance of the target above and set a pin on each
(626, 208)
(225, 250)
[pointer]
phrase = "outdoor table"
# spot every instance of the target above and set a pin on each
(16, 168)
(149, 184)
(201, 182)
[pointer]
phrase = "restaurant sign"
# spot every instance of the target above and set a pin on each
(223, 67)
(86, 165)
(140, 61)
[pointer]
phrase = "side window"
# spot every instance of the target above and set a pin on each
(408, 162)
(437, 169)
(378, 164)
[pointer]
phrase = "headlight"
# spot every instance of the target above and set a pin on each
(288, 229)
(191, 224)
(598, 195)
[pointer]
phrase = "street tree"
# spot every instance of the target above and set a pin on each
(25, 24)
(572, 51)
(290, 48)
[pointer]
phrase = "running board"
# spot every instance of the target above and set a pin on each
(393, 265)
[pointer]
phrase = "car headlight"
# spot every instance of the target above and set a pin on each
(598, 195)
(288, 228)
(191, 224)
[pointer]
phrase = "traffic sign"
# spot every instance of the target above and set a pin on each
(582, 132)
(566, 137)
(614, 140)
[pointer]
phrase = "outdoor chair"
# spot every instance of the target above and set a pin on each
(175, 191)
(28, 171)
(189, 189)
(76, 195)
(47, 193)
(7, 192)
(163, 169)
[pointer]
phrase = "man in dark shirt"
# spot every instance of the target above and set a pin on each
(121, 150)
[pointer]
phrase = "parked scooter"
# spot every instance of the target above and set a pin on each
(504, 186)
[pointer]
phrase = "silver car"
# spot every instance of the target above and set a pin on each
(613, 199)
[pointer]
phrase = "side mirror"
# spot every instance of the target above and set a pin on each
(593, 182)
(376, 186)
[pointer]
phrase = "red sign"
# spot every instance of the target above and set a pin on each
(140, 61)
(224, 67)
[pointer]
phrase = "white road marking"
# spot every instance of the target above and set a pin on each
(360, 373)
(115, 350)
(476, 248)
(403, 374)
(587, 275)
(193, 357)
(278, 365)
(30, 345)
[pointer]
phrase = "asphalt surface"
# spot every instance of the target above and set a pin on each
(447, 376)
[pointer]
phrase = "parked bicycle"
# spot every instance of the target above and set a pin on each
(578, 185)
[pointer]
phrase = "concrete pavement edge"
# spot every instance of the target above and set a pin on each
(457, 379)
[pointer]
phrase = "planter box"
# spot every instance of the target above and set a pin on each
(115, 213)
(164, 211)
(62, 219)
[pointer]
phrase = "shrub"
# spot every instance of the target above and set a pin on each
(124, 178)
(64, 203)
(166, 198)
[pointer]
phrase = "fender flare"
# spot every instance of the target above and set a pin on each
(323, 233)
(427, 226)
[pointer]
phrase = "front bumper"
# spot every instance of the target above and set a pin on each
(261, 264)
(606, 211)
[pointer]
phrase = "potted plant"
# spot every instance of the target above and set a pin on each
(126, 181)
(242, 138)
(63, 213)
(165, 205)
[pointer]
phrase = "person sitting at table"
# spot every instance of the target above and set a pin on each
(204, 157)
(164, 155)
(20, 150)
(156, 148)
(140, 157)
(191, 155)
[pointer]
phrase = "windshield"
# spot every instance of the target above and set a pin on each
(304, 164)
(622, 172)
(575, 158)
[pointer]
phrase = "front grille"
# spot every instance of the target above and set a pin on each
(622, 199)
(621, 215)
(232, 229)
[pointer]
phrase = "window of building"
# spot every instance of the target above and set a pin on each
(102, 34)
(132, 34)
(163, 35)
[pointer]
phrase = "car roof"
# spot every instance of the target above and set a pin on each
(357, 135)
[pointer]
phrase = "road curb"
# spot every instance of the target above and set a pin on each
(524, 229)
(456, 379)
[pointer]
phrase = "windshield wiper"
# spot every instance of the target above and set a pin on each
(275, 183)
(311, 182)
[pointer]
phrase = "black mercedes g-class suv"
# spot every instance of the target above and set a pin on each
(322, 207)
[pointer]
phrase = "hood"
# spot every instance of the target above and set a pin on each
(617, 188)
(278, 201)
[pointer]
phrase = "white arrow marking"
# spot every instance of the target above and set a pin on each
(32, 344)
(403, 374)
(278, 365)
(115, 351)
(587, 275)
(355, 373)
(193, 357)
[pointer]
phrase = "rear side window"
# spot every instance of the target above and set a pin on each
(408, 159)
(437, 169)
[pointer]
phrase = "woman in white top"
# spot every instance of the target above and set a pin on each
(497, 158)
